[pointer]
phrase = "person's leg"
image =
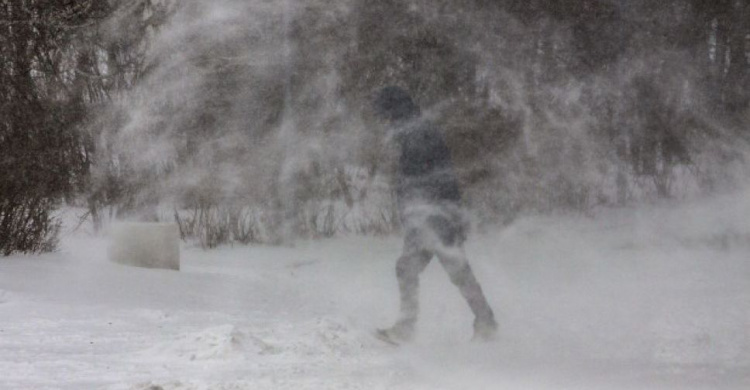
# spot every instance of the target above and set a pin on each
(408, 267)
(455, 264)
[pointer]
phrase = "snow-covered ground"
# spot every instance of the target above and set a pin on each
(649, 298)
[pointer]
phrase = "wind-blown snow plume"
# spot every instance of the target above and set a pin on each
(265, 105)
(241, 107)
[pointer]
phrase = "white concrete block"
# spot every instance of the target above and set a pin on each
(150, 245)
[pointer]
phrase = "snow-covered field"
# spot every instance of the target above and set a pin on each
(650, 298)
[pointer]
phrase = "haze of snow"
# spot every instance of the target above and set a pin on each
(648, 298)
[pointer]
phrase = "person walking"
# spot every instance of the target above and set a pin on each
(428, 198)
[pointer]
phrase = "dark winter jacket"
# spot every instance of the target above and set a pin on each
(425, 172)
(426, 185)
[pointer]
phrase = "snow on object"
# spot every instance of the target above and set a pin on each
(149, 245)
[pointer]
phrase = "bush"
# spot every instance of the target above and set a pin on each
(27, 227)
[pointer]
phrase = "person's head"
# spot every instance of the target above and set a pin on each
(394, 104)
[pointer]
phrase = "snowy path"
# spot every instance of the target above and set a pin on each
(583, 304)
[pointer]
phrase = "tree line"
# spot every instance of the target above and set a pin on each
(251, 121)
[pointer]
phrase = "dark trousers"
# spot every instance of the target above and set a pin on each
(443, 239)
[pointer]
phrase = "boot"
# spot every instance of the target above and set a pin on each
(485, 331)
(400, 333)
